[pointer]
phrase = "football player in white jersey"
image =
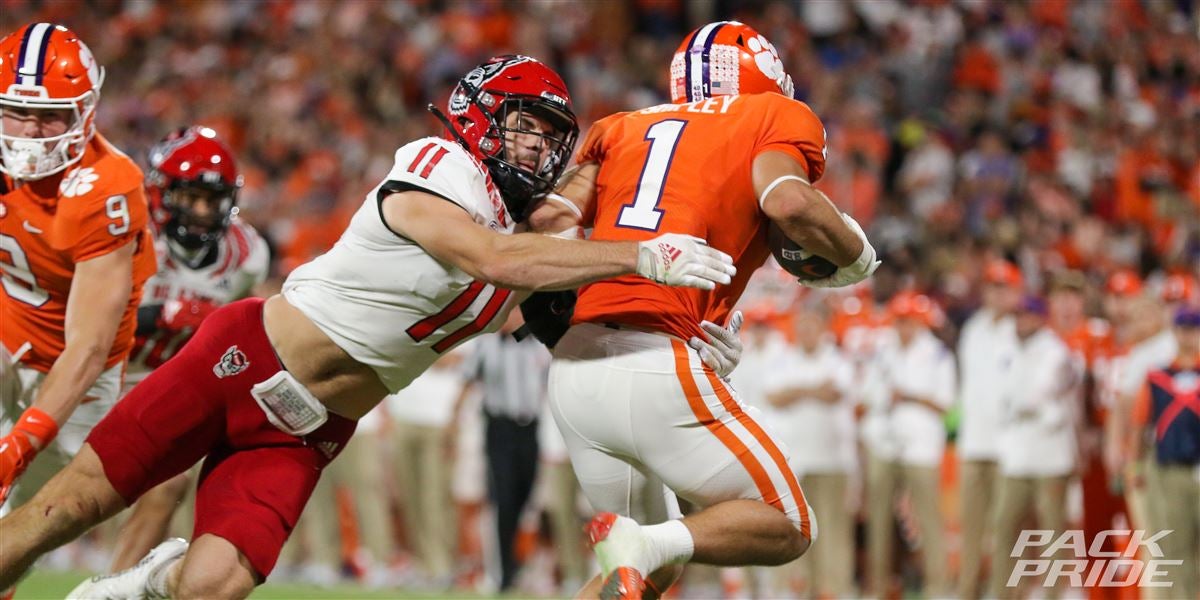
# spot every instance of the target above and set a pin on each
(207, 257)
(270, 391)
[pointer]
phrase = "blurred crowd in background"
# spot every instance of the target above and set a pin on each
(1049, 147)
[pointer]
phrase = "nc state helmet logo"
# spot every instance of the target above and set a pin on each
(234, 361)
(460, 101)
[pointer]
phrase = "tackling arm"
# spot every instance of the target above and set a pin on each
(571, 205)
(535, 262)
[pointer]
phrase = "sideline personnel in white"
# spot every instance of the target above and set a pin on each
(1040, 404)
(905, 437)
(808, 386)
(985, 353)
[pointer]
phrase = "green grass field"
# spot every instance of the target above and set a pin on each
(54, 585)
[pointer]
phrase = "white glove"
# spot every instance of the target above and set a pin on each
(854, 272)
(723, 350)
(685, 261)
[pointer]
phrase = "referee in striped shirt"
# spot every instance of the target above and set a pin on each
(511, 375)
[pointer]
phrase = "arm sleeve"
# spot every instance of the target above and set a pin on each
(147, 319)
(102, 222)
(793, 128)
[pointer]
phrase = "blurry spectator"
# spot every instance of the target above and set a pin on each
(905, 438)
(561, 502)
(359, 478)
(926, 177)
(511, 375)
(1121, 292)
(421, 436)
(990, 174)
(1037, 437)
(1152, 346)
(985, 354)
(1093, 342)
(762, 343)
(808, 387)
(1168, 412)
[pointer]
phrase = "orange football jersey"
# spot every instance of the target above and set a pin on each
(49, 225)
(685, 168)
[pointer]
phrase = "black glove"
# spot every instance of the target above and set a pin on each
(547, 316)
(147, 319)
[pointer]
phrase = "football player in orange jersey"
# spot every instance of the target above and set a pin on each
(74, 253)
(732, 154)
(433, 253)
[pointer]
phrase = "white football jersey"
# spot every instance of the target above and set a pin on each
(242, 262)
(381, 297)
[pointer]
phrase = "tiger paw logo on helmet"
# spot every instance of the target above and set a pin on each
(725, 58)
(78, 182)
(767, 59)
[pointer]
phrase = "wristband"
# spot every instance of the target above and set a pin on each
(567, 203)
(572, 233)
(775, 184)
(38, 425)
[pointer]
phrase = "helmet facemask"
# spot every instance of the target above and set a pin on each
(36, 158)
(526, 148)
(192, 236)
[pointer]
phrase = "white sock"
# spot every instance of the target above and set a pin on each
(668, 543)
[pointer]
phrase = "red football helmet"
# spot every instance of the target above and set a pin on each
(723, 59)
(47, 67)
(187, 166)
(485, 110)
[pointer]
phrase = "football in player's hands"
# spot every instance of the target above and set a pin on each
(796, 260)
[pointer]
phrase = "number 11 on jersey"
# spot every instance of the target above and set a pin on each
(643, 213)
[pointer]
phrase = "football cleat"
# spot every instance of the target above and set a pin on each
(132, 583)
(624, 583)
(620, 548)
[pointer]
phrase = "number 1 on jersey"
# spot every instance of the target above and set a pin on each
(643, 213)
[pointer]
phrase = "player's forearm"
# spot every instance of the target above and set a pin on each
(554, 217)
(69, 379)
(812, 221)
(534, 262)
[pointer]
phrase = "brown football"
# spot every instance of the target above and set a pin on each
(796, 260)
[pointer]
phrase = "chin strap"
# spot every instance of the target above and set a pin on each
(446, 122)
(194, 259)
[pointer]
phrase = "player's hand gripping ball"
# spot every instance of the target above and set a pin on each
(796, 260)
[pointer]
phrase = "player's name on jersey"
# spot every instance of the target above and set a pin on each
(708, 106)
